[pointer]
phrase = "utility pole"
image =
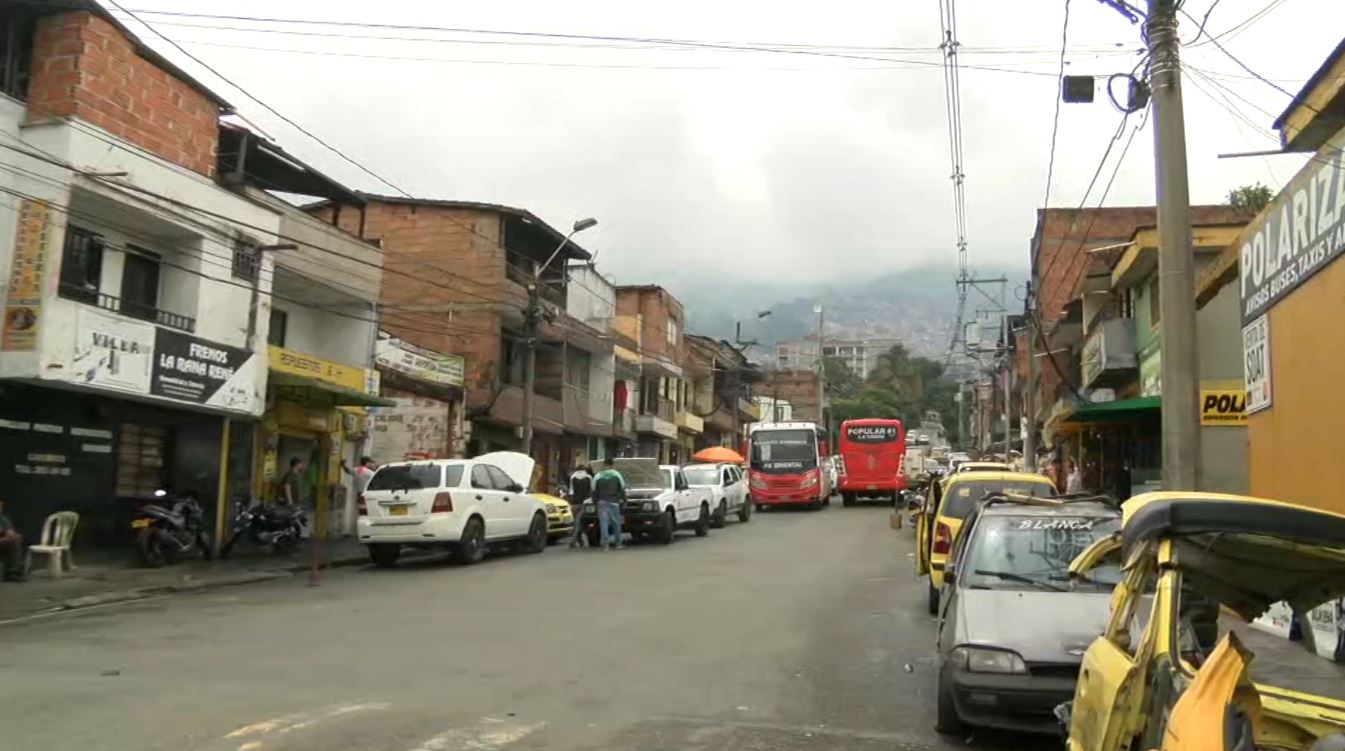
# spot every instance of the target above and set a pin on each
(961, 415)
(1176, 266)
(1030, 389)
(1008, 387)
(821, 371)
(532, 319)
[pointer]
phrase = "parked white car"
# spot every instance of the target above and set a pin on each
(460, 505)
(659, 501)
(728, 490)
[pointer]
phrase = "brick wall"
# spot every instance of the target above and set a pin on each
(798, 387)
(656, 307)
(84, 67)
(436, 258)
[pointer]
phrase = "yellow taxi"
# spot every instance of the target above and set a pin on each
(559, 517)
(1173, 670)
(949, 503)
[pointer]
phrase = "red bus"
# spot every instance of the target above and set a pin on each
(787, 465)
(872, 452)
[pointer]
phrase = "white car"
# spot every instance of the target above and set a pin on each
(458, 504)
(728, 489)
(659, 501)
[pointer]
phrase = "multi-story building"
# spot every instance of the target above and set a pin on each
(663, 423)
(140, 282)
(721, 384)
(457, 281)
(860, 355)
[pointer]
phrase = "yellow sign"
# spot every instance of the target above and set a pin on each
(1223, 407)
(297, 363)
(23, 303)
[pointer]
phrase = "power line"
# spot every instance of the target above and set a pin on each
(1234, 58)
(1204, 20)
(1059, 95)
(1241, 26)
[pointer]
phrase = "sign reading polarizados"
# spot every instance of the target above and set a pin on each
(1297, 236)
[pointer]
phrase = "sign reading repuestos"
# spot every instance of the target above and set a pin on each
(1298, 234)
(195, 370)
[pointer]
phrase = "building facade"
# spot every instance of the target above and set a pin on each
(860, 355)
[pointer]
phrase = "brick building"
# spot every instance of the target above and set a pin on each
(664, 424)
(798, 388)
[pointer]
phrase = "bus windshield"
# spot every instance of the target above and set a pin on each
(784, 451)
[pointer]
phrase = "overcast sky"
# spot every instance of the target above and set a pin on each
(752, 163)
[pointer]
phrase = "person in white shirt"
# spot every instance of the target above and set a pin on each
(1074, 481)
(362, 473)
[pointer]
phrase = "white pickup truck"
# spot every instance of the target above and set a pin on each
(659, 501)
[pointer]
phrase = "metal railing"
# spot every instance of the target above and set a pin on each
(128, 308)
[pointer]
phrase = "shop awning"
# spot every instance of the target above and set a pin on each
(328, 392)
(1124, 410)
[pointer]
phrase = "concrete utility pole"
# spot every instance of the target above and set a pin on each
(532, 318)
(1176, 265)
(1008, 387)
(821, 370)
(1030, 389)
(962, 415)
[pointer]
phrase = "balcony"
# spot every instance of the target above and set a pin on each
(721, 420)
(689, 423)
(128, 308)
(575, 406)
(1108, 358)
(658, 420)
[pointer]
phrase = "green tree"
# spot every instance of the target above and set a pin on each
(842, 383)
(903, 387)
(1250, 199)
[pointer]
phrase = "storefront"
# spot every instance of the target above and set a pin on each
(316, 414)
(426, 388)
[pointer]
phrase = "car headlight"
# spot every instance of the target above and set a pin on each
(589, 508)
(758, 483)
(810, 479)
(649, 506)
(552, 508)
(977, 660)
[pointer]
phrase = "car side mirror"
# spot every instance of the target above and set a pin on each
(950, 575)
(515, 488)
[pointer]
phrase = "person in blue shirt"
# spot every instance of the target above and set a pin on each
(609, 492)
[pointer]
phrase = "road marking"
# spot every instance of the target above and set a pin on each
(278, 726)
(491, 734)
(806, 730)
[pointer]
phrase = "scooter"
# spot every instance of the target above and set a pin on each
(279, 526)
(169, 528)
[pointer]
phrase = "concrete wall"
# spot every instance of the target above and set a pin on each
(1223, 449)
(591, 298)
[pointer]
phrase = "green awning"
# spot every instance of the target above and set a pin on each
(1123, 410)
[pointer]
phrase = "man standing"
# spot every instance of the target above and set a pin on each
(362, 474)
(609, 492)
(291, 483)
(11, 548)
(581, 489)
(1074, 481)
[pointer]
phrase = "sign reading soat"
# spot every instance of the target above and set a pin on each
(1223, 407)
(1299, 234)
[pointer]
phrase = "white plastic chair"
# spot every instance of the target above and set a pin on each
(58, 531)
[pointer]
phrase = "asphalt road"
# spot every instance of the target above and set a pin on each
(795, 631)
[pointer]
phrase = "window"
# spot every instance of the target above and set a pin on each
(481, 477)
(280, 321)
(1127, 303)
(672, 332)
(1155, 309)
(140, 460)
(246, 260)
(140, 285)
(499, 479)
(17, 28)
(408, 477)
(81, 265)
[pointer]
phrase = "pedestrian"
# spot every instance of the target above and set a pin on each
(581, 489)
(363, 473)
(609, 492)
(11, 548)
(291, 483)
(1074, 482)
(1121, 482)
(1057, 474)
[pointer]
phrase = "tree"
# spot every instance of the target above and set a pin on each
(900, 386)
(842, 383)
(1250, 199)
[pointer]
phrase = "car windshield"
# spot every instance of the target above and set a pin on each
(964, 494)
(702, 475)
(413, 476)
(1034, 552)
(784, 451)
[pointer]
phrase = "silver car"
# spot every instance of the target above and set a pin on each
(1013, 626)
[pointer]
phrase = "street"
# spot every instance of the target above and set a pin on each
(795, 631)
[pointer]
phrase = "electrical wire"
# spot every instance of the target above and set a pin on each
(1059, 96)
(1241, 26)
(1200, 30)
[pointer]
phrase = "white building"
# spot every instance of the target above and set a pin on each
(860, 355)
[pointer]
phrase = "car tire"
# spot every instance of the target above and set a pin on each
(932, 597)
(814, 506)
(721, 516)
(385, 556)
(667, 531)
(703, 521)
(745, 513)
(826, 501)
(847, 499)
(761, 507)
(536, 540)
(472, 546)
(594, 537)
(946, 719)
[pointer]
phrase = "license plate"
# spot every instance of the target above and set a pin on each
(139, 523)
(399, 510)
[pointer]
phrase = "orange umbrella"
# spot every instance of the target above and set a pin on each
(718, 454)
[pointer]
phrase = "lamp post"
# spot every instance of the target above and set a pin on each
(532, 317)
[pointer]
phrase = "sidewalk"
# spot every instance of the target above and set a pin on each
(104, 577)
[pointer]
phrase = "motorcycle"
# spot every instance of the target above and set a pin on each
(279, 526)
(168, 528)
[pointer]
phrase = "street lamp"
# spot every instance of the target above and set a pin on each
(532, 316)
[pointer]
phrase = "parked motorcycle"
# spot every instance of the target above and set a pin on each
(279, 526)
(168, 528)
